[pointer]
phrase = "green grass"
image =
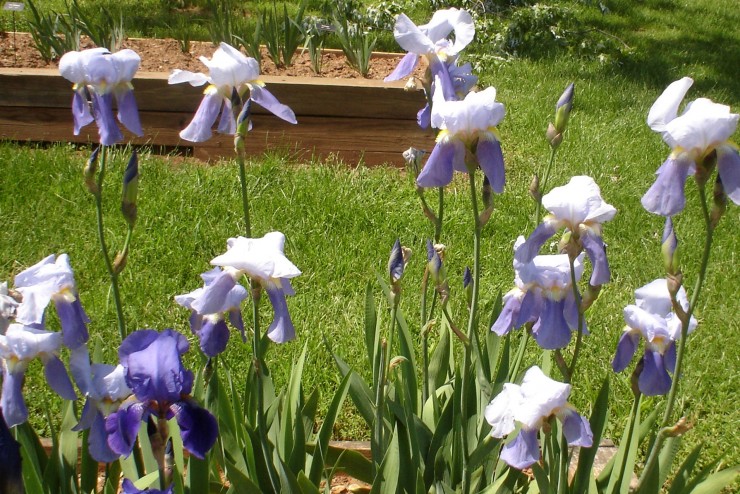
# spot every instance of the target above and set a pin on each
(340, 223)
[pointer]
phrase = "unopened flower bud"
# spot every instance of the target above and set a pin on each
(487, 193)
(120, 262)
(534, 189)
(563, 107)
(553, 136)
(589, 296)
(396, 361)
(395, 263)
(669, 247)
(719, 199)
(91, 168)
(681, 428)
(468, 285)
(130, 189)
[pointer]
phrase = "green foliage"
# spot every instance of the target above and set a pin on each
(54, 34)
(357, 43)
(282, 35)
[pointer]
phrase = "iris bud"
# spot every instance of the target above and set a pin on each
(563, 107)
(130, 189)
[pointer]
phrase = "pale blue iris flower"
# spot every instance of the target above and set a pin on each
(467, 126)
(262, 260)
(229, 71)
(703, 128)
(579, 208)
(529, 407)
(543, 295)
(18, 347)
(99, 78)
(652, 317)
(52, 280)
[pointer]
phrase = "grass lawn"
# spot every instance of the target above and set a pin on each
(341, 223)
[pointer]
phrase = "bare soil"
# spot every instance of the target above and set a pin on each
(164, 55)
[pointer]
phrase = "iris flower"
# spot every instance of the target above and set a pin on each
(262, 259)
(467, 126)
(430, 41)
(52, 280)
(543, 294)
(529, 406)
(221, 295)
(105, 390)
(229, 70)
(153, 369)
(102, 76)
(704, 127)
(579, 208)
(652, 318)
(18, 347)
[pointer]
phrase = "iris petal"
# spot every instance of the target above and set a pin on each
(594, 246)
(666, 196)
(551, 331)
(199, 129)
(11, 402)
(654, 379)
(404, 68)
(523, 451)
(123, 426)
(437, 171)
(491, 161)
(266, 100)
(728, 167)
(626, 349)
(281, 330)
(198, 427)
(577, 430)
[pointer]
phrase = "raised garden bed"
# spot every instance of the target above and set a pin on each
(354, 120)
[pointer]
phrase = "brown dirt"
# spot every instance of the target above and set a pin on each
(163, 55)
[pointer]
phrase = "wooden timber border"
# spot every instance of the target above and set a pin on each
(354, 120)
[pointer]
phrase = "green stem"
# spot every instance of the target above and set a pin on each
(520, 352)
(98, 194)
(671, 400)
(424, 339)
(472, 323)
(245, 195)
(379, 447)
(543, 185)
(440, 214)
(579, 336)
(261, 422)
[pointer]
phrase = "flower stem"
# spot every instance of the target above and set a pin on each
(543, 186)
(98, 194)
(472, 328)
(245, 196)
(579, 336)
(685, 320)
(261, 422)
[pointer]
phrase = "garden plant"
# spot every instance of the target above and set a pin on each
(472, 394)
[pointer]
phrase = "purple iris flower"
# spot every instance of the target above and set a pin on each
(221, 295)
(262, 259)
(230, 70)
(652, 318)
(105, 388)
(703, 128)
(529, 406)
(52, 280)
(579, 208)
(18, 346)
(161, 385)
(430, 41)
(467, 127)
(99, 78)
(543, 295)
(129, 488)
